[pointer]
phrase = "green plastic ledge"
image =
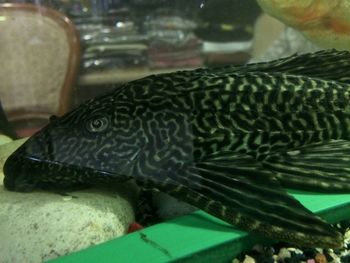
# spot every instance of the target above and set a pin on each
(197, 237)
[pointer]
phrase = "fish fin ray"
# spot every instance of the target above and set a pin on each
(325, 64)
(315, 167)
(248, 197)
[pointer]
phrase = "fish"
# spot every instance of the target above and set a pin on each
(325, 23)
(228, 140)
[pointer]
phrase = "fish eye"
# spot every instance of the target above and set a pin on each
(97, 124)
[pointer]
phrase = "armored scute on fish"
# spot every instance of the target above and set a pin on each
(227, 140)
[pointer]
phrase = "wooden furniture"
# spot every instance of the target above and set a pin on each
(39, 56)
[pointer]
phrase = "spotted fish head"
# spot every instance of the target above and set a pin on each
(97, 142)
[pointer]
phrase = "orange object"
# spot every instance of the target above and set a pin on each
(320, 258)
(134, 227)
(324, 22)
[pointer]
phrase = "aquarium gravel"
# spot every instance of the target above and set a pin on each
(284, 253)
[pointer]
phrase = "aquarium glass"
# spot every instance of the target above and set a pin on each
(207, 137)
(119, 41)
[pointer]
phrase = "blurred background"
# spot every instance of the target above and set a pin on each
(120, 41)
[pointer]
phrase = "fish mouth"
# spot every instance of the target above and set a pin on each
(19, 174)
(25, 173)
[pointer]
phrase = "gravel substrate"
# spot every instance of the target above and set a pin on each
(284, 253)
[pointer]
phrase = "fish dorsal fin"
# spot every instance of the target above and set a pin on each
(325, 64)
(321, 167)
(248, 197)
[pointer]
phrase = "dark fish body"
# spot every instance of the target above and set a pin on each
(227, 140)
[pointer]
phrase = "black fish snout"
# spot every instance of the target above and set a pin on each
(9, 172)
(17, 177)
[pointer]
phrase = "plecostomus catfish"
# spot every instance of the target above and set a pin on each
(226, 140)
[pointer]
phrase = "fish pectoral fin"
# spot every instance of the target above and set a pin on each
(250, 198)
(315, 167)
(325, 64)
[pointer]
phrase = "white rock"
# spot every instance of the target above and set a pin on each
(248, 259)
(347, 237)
(4, 139)
(39, 226)
(284, 253)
